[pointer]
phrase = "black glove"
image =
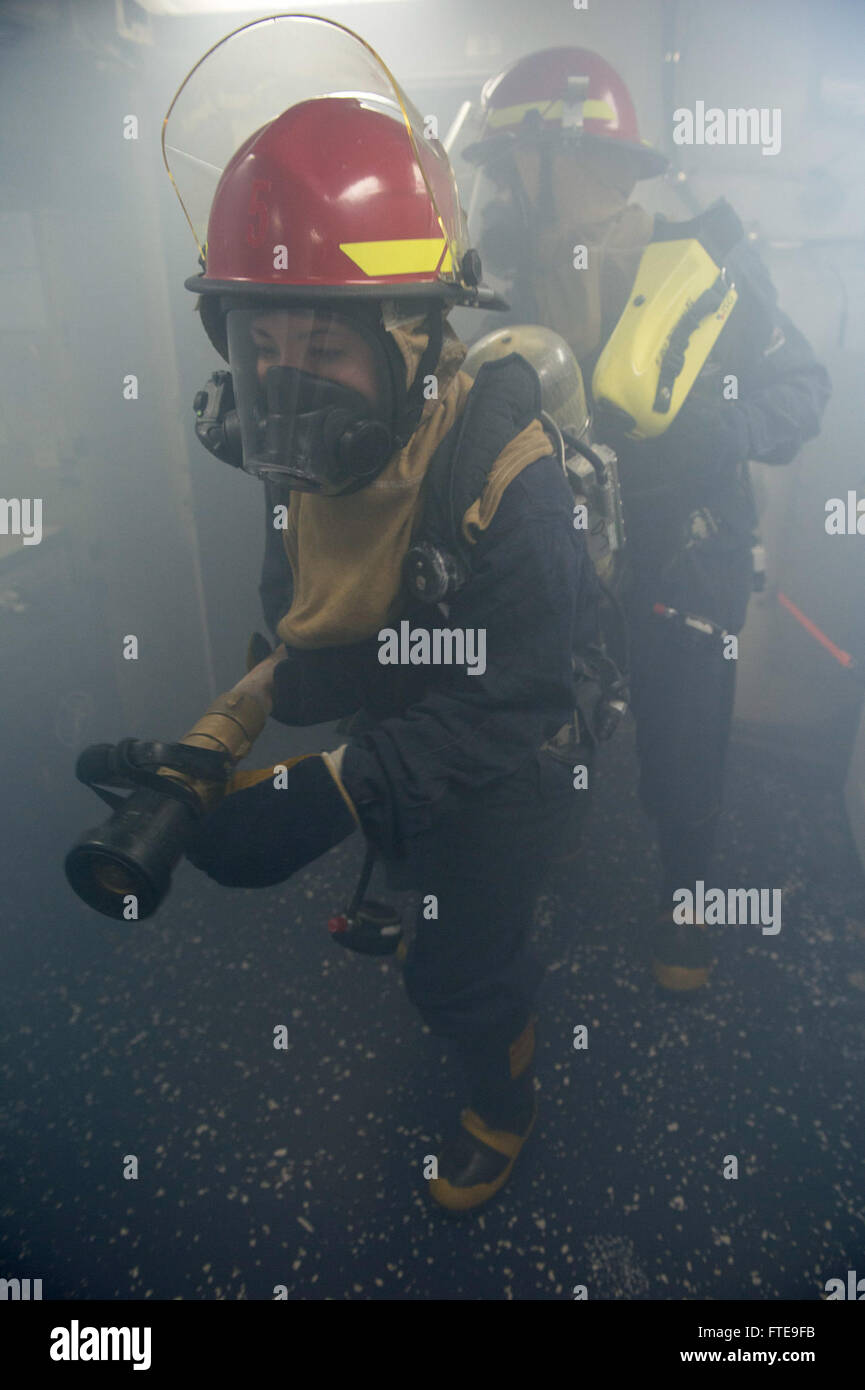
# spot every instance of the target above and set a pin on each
(709, 437)
(271, 822)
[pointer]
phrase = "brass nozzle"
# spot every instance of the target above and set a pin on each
(230, 726)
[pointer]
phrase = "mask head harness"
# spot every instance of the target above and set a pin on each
(301, 428)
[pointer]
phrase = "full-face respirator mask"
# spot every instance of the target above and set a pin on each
(315, 400)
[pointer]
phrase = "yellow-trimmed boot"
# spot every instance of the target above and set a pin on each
(682, 957)
(477, 1161)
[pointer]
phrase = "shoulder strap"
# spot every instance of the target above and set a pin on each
(505, 398)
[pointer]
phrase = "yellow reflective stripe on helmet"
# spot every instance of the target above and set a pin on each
(405, 257)
(598, 111)
(512, 115)
(550, 111)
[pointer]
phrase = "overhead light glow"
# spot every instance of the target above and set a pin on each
(188, 9)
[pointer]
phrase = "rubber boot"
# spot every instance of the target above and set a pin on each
(681, 955)
(477, 1161)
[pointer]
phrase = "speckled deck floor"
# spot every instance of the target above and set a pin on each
(303, 1167)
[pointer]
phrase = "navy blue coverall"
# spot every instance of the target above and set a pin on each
(448, 779)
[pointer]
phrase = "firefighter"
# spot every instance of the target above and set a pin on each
(556, 153)
(416, 501)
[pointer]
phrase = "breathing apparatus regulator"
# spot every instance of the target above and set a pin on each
(308, 259)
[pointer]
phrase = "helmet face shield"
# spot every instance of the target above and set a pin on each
(314, 397)
(245, 86)
(500, 220)
(531, 201)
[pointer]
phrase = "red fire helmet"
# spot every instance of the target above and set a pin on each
(314, 176)
(326, 215)
(328, 197)
(566, 92)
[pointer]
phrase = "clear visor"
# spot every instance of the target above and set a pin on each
(304, 381)
(466, 130)
(497, 221)
(255, 74)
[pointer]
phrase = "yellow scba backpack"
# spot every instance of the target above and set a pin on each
(680, 301)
